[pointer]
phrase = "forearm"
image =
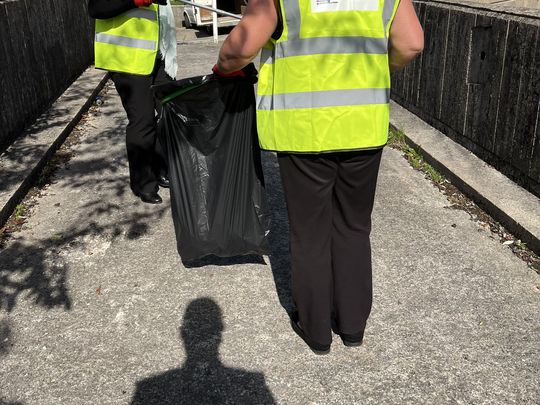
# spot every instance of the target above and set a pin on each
(104, 9)
(406, 37)
(235, 54)
(399, 60)
(249, 36)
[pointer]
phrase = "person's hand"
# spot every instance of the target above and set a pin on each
(236, 73)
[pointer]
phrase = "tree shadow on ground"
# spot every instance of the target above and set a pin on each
(203, 378)
(6, 338)
(30, 148)
(32, 272)
(6, 342)
(38, 271)
(37, 268)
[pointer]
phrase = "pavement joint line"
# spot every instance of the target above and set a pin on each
(10, 198)
(434, 145)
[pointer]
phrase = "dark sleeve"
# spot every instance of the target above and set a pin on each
(108, 8)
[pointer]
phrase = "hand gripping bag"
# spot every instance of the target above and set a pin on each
(208, 128)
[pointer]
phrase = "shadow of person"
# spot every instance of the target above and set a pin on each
(203, 379)
(6, 342)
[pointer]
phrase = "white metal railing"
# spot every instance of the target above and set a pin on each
(215, 12)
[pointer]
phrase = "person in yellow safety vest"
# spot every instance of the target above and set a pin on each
(136, 41)
(323, 105)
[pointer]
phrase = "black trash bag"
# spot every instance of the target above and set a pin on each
(208, 128)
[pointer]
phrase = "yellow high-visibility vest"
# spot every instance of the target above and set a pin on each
(129, 42)
(324, 85)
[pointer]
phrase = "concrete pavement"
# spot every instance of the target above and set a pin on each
(97, 307)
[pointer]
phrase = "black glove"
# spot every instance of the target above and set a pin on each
(160, 2)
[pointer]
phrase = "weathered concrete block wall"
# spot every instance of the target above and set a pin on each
(478, 81)
(44, 46)
(505, 3)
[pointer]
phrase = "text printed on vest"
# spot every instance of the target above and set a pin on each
(324, 6)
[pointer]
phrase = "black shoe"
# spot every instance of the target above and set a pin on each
(163, 181)
(150, 198)
(350, 340)
(316, 348)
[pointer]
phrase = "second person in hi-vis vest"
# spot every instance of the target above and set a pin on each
(323, 106)
(136, 41)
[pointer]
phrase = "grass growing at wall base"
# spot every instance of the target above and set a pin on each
(398, 140)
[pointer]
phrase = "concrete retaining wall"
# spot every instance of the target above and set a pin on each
(478, 81)
(533, 4)
(44, 46)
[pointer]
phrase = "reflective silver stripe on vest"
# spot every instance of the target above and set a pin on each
(141, 13)
(292, 16)
(325, 46)
(328, 98)
(124, 41)
(331, 45)
(267, 56)
(388, 10)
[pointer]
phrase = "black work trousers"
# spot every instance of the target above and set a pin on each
(146, 158)
(329, 200)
